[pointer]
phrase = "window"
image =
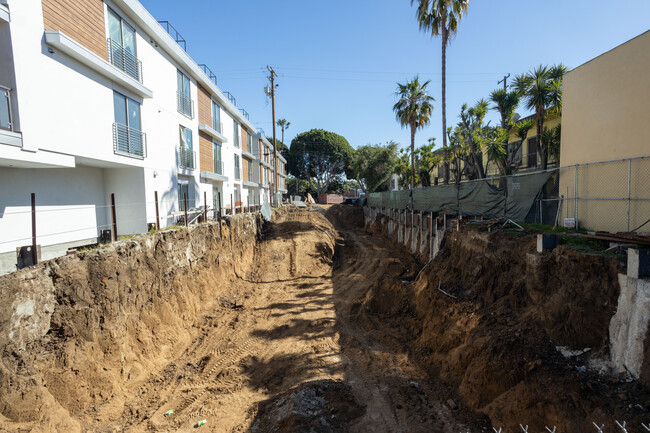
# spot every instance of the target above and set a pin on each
(183, 193)
(237, 175)
(183, 93)
(250, 171)
(185, 152)
(250, 144)
(121, 46)
(235, 134)
(127, 136)
(216, 158)
(216, 117)
(532, 153)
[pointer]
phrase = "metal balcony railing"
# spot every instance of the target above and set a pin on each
(231, 98)
(209, 73)
(185, 104)
(174, 34)
(218, 166)
(6, 119)
(245, 113)
(123, 59)
(186, 157)
(129, 142)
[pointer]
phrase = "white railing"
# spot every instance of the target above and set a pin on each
(185, 104)
(124, 60)
(6, 120)
(129, 142)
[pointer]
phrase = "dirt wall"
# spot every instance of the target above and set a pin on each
(80, 330)
(487, 316)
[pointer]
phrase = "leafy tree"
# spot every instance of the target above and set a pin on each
(505, 103)
(541, 90)
(373, 166)
(521, 129)
(428, 159)
(320, 157)
(283, 124)
(441, 18)
(414, 110)
(552, 139)
(282, 148)
(297, 186)
(403, 169)
(473, 134)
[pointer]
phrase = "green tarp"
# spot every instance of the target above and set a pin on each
(477, 198)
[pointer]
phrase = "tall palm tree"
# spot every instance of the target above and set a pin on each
(283, 124)
(441, 18)
(413, 109)
(541, 90)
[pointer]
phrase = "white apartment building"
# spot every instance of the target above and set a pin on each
(97, 98)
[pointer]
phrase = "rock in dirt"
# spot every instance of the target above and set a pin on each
(322, 406)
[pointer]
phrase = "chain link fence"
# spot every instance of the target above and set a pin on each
(612, 196)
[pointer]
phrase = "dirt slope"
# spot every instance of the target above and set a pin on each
(486, 317)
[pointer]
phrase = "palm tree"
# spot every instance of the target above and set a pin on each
(441, 18)
(541, 90)
(283, 124)
(413, 109)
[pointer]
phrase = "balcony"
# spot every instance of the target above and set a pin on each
(186, 158)
(185, 104)
(6, 119)
(129, 142)
(218, 167)
(124, 60)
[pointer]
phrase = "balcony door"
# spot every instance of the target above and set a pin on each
(127, 125)
(122, 45)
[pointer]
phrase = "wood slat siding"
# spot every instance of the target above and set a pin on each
(244, 138)
(82, 20)
(205, 152)
(205, 107)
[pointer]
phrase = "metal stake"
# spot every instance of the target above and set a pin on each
(185, 207)
(155, 196)
(34, 252)
(113, 217)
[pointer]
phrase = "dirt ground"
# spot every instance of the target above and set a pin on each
(319, 326)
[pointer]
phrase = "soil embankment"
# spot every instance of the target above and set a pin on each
(491, 317)
(308, 323)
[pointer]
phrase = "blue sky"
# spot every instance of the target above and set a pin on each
(338, 61)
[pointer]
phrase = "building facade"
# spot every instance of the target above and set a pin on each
(100, 100)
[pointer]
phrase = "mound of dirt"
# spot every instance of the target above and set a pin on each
(345, 216)
(487, 316)
(297, 243)
(323, 406)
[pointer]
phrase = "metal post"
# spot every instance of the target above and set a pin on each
(629, 191)
(248, 200)
(219, 214)
(113, 218)
(565, 204)
(205, 206)
(575, 191)
(34, 252)
(540, 212)
(185, 207)
(232, 206)
(155, 196)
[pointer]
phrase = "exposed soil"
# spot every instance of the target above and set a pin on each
(308, 324)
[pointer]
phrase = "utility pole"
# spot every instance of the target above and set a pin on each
(505, 79)
(275, 147)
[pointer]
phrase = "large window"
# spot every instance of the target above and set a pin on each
(183, 193)
(237, 171)
(250, 171)
(216, 158)
(235, 134)
(121, 46)
(250, 143)
(185, 151)
(127, 135)
(216, 117)
(183, 94)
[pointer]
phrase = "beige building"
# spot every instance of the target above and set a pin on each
(604, 117)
